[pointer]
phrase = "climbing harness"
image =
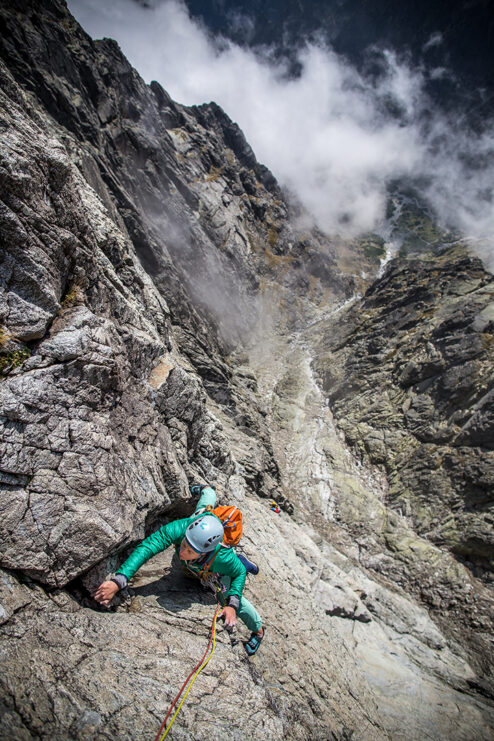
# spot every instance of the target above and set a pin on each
(197, 669)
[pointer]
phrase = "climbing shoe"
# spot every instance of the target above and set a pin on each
(254, 642)
(196, 489)
(250, 567)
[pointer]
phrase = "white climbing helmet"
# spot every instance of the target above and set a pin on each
(204, 534)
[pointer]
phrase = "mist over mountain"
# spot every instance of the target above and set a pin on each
(338, 131)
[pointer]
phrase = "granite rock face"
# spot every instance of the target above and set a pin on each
(71, 408)
(82, 421)
(409, 375)
(378, 670)
(412, 367)
(162, 321)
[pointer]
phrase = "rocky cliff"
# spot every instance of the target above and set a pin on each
(164, 320)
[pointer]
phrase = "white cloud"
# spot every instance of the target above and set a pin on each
(436, 39)
(327, 135)
(438, 73)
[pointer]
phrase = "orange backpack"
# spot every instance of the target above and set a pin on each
(231, 519)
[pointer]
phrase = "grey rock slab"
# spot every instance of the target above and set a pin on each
(87, 665)
(428, 439)
(404, 684)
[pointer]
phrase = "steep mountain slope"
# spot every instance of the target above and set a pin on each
(424, 337)
(409, 376)
(160, 313)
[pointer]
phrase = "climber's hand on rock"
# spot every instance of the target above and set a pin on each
(105, 592)
(229, 616)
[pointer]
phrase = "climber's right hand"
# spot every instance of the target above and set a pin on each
(105, 592)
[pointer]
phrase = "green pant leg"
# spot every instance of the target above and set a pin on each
(246, 610)
(249, 615)
(208, 496)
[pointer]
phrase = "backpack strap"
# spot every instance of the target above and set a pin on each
(225, 522)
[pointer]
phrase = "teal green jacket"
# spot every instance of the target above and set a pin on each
(226, 562)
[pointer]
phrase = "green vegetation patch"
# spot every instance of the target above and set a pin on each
(419, 231)
(13, 359)
(12, 352)
(73, 297)
(373, 247)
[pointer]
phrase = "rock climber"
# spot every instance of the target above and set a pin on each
(197, 541)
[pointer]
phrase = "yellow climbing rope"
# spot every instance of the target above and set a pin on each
(213, 636)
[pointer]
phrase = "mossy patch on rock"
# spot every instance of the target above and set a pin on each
(373, 247)
(13, 353)
(13, 359)
(73, 297)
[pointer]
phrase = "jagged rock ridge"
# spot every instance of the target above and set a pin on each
(143, 245)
